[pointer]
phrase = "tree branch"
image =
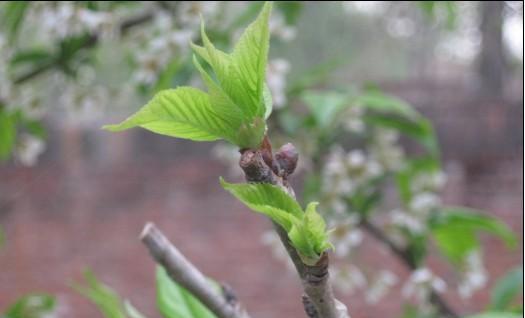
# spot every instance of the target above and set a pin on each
(405, 257)
(182, 271)
(319, 300)
(89, 42)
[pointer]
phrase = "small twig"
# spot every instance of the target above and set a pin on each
(182, 271)
(404, 256)
(321, 301)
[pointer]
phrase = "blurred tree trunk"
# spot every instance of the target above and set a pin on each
(491, 66)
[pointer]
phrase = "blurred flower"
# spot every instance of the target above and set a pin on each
(28, 149)
(352, 119)
(474, 275)
(380, 286)
(420, 283)
(385, 149)
(276, 79)
(280, 29)
(347, 278)
(345, 236)
(407, 221)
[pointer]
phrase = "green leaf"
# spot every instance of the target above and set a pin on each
(13, 17)
(495, 314)
(174, 301)
(238, 101)
(132, 311)
(106, 300)
(375, 100)
(32, 306)
(267, 199)
(7, 133)
(455, 231)
(325, 106)
(306, 230)
(249, 58)
(507, 289)
(184, 112)
(420, 129)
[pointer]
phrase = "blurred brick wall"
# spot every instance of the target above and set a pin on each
(85, 204)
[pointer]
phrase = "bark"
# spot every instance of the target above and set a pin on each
(182, 271)
(318, 299)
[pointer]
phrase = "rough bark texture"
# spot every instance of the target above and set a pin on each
(319, 300)
(182, 271)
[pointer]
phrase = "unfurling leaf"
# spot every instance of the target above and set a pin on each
(238, 100)
(306, 230)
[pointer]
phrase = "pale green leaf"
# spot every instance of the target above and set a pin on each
(132, 311)
(249, 59)
(7, 134)
(316, 227)
(455, 231)
(306, 230)
(184, 112)
(267, 199)
(381, 102)
(32, 306)
(220, 101)
(174, 301)
(106, 300)
(507, 289)
(268, 101)
(325, 106)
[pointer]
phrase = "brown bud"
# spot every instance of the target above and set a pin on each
(286, 158)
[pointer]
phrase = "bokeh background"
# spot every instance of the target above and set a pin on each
(79, 197)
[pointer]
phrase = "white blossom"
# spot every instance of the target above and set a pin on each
(345, 237)
(280, 29)
(474, 275)
(347, 278)
(380, 286)
(28, 149)
(420, 283)
(276, 79)
(407, 221)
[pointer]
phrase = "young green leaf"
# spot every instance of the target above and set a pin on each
(7, 134)
(184, 112)
(267, 199)
(306, 230)
(238, 101)
(132, 311)
(106, 300)
(174, 301)
(249, 59)
(31, 306)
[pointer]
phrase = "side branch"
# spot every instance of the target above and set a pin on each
(319, 300)
(182, 271)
